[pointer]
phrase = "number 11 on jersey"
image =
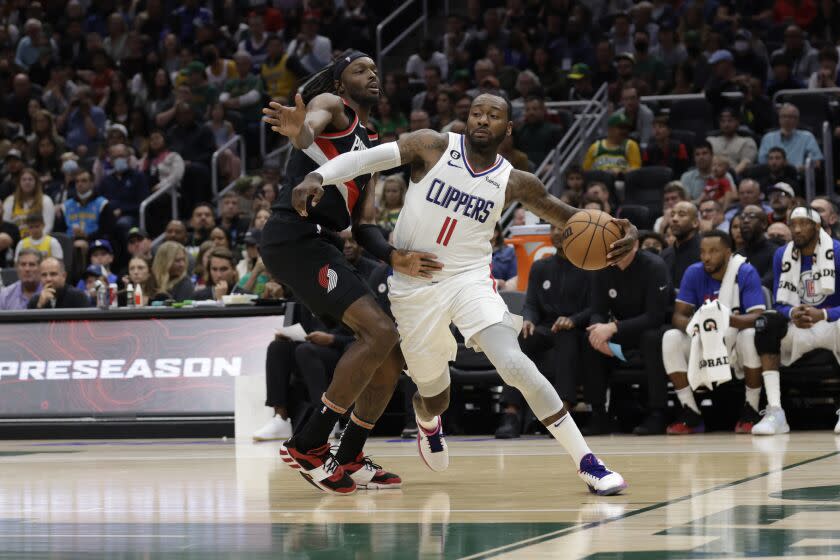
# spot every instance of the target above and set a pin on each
(446, 231)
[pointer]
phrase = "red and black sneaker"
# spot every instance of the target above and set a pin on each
(749, 418)
(318, 467)
(368, 475)
(688, 422)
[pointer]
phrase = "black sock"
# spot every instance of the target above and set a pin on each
(316, 432)
(352, 442)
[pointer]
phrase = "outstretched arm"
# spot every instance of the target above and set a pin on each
(527, 189)
(302, 123)
(421, 149)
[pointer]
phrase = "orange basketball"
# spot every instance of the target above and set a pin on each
(587, 238)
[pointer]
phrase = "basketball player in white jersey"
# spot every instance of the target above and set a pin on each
(459, 187)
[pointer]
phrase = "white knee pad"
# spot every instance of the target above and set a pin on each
(501, 346)
(676, 346)
(745, 344)
(429, 386)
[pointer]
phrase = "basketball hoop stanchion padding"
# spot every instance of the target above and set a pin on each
(532, 244)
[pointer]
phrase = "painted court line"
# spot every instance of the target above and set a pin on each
(577, 528)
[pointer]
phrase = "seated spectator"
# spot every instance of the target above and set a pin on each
(536, 137)
(104, 164)
(624, 62)
(581, 77)
(195, 144)
(827, 210)
(59, 90)
(503, 265)
(102, 255)
(616, 153)
(125, 189)
(748, 193)
(758, 109)
(388, 118)
(757, 247)
(778, 233)
(244, 93)
(638, 115)
(718, 186)
(648, 68)
(391, 202)
(82, 123)
(44, 243)
(724, 79)
(445, 110)
(629, 304)
(828, 74)
(806, 310)
(202, 222)
(353, 254)
(223, 277)
(9, 238)
(750, 55)
(418, 120)
(598, 191)
(16, 296)
(139, 276)
(201, 272)
(162, 167)
(218, 69)
(602, 70)
(425, 57)
(29, 48)
(574, 179)
(219, 238)
(254, 39)
(92, 277)
(231, 219)
(782, 201)
(86, 215)
(16, 104)
(651, 241)
(253, 278)
(314, 51)
(804, 59)
(12, 169)
(664, 150)
(703, 282)
(711, 216)
(29, 198)
(260, 218)
(517, 158)
(202, 94)
(280, 72)
(685, 251)
(735, 232)
(694, 180)
(556, 312)
(782, 76)
(798, 144)
(741, 150)
(170, 271)
(776, 170)
(55, 293)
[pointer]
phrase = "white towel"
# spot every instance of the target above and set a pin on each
(730, 293)
(709, 357)
(823, 268)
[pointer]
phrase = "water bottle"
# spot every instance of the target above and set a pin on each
(102, 296)
(129, 295)
(112, 296)
(138, 296)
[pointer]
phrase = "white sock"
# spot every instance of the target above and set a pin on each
(753, 396)
(771, 385)
(429, 426)
(567, 433)
(686, 396)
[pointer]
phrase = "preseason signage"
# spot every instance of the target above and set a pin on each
(142, 366)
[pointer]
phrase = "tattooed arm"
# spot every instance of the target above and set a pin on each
(527, 189)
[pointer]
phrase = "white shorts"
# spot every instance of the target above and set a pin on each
(676, 348)
(798, 342)
(423, 312)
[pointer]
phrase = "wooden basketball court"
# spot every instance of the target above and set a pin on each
(712, 496)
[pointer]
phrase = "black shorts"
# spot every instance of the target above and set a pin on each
(312, 265)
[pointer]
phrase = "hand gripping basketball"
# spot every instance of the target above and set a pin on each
(593, 239)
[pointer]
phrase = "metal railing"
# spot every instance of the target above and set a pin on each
(810, 178)
(214, 165)
(422, 20)
(828, 154)
(277, 152)
(796, 92)
(688, 96)
(172, 190)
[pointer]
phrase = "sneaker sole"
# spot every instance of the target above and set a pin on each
(294, 465)
(609, 491)
(279, 438)
(378, 486)
(784, 430)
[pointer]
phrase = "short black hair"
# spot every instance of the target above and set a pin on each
(649, 234)
(779, 150)
(205, 204)
(704, 144)
(725, 238)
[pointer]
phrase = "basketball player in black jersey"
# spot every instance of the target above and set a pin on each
(299, 251)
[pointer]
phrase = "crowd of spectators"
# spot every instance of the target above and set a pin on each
(106, 102)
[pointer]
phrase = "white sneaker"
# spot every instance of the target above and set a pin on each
(837, 427)
(774, 422)
(432, 446)
(598, 478)
(276, 428)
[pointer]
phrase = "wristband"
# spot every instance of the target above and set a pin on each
(370, 237)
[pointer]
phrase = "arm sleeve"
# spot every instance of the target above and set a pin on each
(634, 158)
(352, 164)
(782, 308)
(531, 309)
(656, 302)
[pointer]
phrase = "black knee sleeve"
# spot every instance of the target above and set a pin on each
(770, 328)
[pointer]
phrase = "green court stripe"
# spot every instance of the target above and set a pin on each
(562, 532)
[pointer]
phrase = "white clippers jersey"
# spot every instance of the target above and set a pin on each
(453, 211)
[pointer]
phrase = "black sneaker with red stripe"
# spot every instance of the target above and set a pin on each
(318, 467)
(368, 475)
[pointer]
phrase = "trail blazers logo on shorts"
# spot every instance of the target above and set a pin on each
(327, 278)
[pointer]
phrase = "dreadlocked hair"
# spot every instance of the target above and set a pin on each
(321, 81)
